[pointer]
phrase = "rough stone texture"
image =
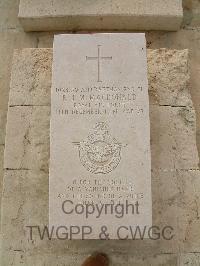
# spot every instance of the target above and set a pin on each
(1, 171)
(191, 13)
(9, 41)
(189, 220)
(176, 202)
(175, 186)
(189, 259)
(28, 131)
(8, 15)
(100, 15)
(1, 183)
(33, 85)
(11, 36)
(171, 129)
(3, 115)
(181, 40)
(169, 77)
(157, 260)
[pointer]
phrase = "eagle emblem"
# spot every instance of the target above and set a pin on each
(99, 153)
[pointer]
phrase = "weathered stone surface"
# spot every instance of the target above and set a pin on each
(28, 131)
(156, 260)
(183, 39)
(191, 13)
(33, 85)
(169, 77)
(167, 73)
(1, 174)
(102, 15)
(1, 184)
(3, 115)
(176, 203)
(189, 259)
(173, 143)
(190, 221)
(8, 15)
(8, 42)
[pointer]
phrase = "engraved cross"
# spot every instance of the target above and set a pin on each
(99, 58)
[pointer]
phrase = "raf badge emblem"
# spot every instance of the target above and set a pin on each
(99, 153)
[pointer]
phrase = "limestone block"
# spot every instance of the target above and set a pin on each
(189, 259)
(157, 260)
(192, 12)
(190, 222)
(183, 39)
(169, 77)
(9, 41)
(20, 192)
(3, 115)
(167, 70)
(1, 172)
(176, 203)
(196, 18)
(8, 15)
(46, 15)
(31, 77)
(173, 142)
(27, 138)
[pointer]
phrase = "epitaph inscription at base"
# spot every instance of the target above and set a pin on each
(100, 166)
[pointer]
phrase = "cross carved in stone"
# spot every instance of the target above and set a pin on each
(99, 58)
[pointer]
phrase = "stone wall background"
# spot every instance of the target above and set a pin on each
(12, 36)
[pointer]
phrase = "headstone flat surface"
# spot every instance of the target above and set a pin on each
(100, 132)
(25, 199)
(100, 15)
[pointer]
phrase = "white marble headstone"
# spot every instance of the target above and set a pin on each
(100, 166)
